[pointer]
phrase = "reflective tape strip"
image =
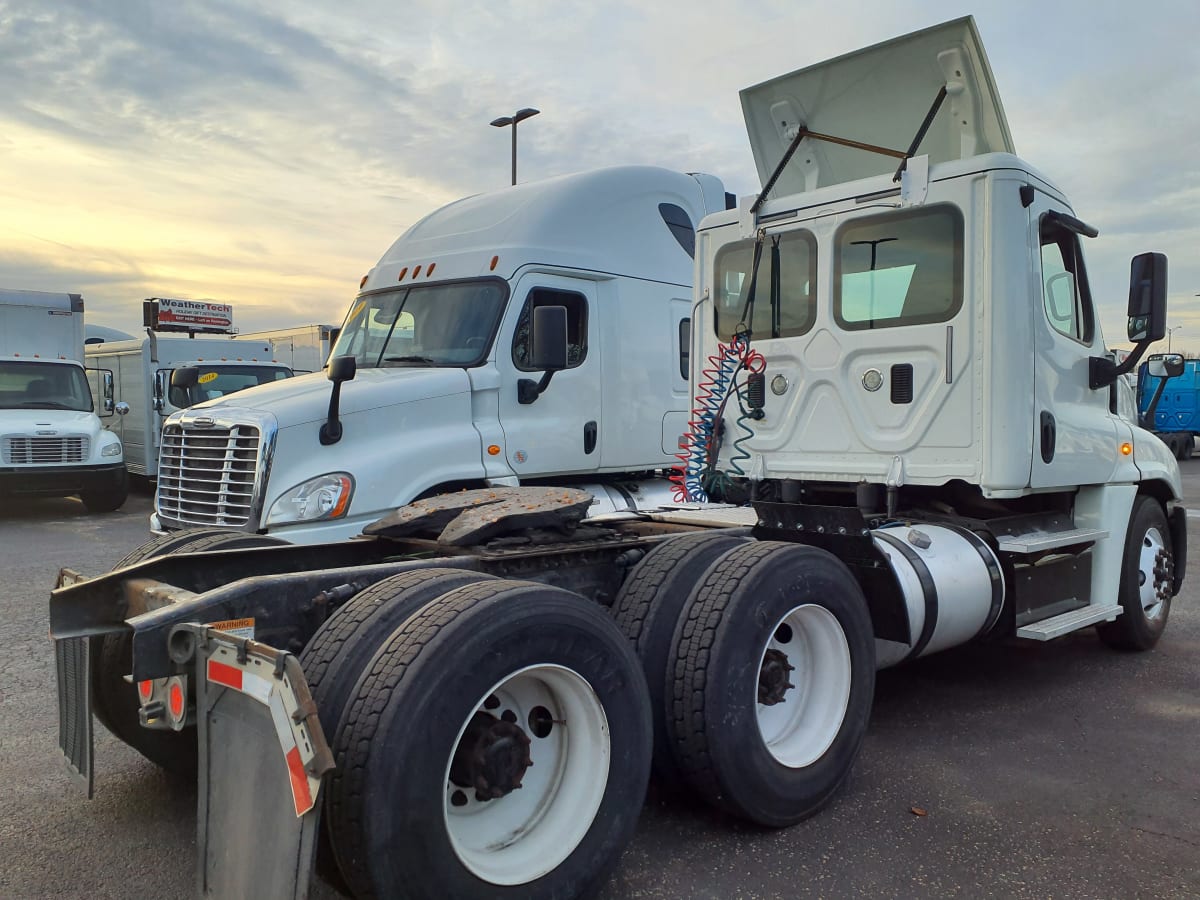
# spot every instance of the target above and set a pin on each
(232, 677)
(301, 795)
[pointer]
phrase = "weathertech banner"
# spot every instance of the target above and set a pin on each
(195, 313)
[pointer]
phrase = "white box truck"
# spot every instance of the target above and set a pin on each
(915, 395)
(142, 370)
(302, 348)
(51, 439)
(444, 395)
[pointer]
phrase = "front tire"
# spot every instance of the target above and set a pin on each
(1147, 580)
(461, 699)
(110, 498)
(774, 664)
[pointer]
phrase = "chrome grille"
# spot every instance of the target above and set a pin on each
(23, 451)
(206, 476)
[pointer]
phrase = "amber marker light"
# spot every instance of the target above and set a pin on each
(403, 272)
(416, 271)
(429, 271)
(361, 282)
(493, 450)
(492, 267)
(1126, 448)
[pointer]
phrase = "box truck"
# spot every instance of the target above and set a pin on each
(302, 348)
(142, 368)
(52, 442)
(443, 394)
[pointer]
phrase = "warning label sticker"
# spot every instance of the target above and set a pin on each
(243, 628)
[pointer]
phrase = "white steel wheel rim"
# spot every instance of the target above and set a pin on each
(1150, 586)
(528, 832)
(801, 728)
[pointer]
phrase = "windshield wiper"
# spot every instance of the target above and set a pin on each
(425, 360)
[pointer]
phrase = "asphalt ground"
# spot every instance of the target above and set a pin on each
(1044, 770)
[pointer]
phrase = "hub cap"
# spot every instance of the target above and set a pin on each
(1155, 575)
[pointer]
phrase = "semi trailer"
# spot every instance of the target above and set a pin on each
(1169, 401)
(900, 372)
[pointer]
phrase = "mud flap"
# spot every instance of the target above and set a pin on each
(72, 658)
(262, 756)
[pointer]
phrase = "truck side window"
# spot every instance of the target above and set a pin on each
(796, 308)
(1065, 291)
(576, 305)
(901, 268)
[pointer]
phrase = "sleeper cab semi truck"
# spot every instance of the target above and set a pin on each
(905, 377)
(52, 442)
(433, 384)
(142, 370)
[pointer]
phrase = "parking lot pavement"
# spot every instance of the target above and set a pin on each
(1061, 769)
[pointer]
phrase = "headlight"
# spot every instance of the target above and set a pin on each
(323, 497)
(113, 449)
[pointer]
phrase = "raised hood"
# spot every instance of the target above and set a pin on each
(295, 401)
(878, 96)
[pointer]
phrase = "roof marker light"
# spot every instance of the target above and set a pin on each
(429, 271)
(492, 267)
(403, 272)
(362, 282)
(417, 271)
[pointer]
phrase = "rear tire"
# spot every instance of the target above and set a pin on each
(774, 663)
(1147, 580)
(647, 610)
(403, 804)
(115, 701)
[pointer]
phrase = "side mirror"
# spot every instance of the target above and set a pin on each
(1148, 297)
(341, 368)
(1168, 365)
(122, 408)
(160, 390)
(548, 350)
(107, 375)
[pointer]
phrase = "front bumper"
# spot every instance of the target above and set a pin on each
(59, 481)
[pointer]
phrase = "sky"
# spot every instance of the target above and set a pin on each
(267, 154)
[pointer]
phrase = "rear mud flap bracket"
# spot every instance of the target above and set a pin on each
(262, 757)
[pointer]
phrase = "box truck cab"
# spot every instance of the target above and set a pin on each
(443, 392)
(51, 439)
(142, 369)
(302, 348)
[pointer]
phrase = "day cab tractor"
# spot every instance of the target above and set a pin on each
(900, 374)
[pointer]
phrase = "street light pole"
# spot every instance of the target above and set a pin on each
(1171, 331)
(504, 121)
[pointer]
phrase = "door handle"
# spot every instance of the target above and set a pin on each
(1048, 436)
(589, 437)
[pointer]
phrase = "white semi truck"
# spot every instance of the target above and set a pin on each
(142, 368)
(906, 379)
(442, 394)
(302, 348)
(52, 442)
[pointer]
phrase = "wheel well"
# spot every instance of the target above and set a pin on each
(449, 487)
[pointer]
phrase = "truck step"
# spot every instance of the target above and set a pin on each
(1057, 626)
(1038, 541)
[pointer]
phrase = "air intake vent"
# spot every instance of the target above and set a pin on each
(902, 383)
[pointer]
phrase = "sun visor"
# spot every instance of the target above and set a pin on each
(878, 96)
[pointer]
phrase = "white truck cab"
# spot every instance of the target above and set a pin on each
(442, 393)
(51, 439)
(142, 368)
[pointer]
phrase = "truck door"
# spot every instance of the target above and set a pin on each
(561, 431)
(1076, 435)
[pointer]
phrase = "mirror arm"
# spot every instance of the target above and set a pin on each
(529, 390)
(331, 431)
(1103, 371)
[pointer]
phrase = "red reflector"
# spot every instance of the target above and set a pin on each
(300, 792)
(229, 676)
(175, 698)
(145, 690)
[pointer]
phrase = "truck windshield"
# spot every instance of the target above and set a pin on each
(43, 385)
(220, 382)
(439, 325)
